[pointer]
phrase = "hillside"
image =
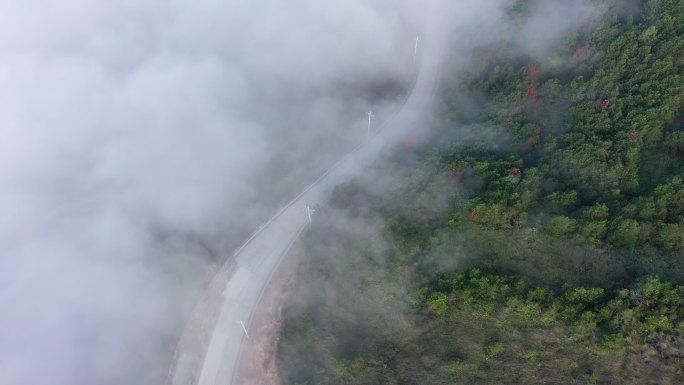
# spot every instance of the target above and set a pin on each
(536, 237)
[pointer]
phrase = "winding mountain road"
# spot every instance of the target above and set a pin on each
(248, 272)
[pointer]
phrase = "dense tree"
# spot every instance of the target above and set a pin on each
(538, 239)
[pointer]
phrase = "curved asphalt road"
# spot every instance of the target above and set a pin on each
(249, 271)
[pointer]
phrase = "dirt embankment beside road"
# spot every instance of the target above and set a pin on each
(257, 364)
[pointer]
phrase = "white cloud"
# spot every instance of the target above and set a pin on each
(123, 120)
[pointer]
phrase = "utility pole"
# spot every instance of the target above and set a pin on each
(370, 116)
(415, 49)
(309, 211)
(244, 329)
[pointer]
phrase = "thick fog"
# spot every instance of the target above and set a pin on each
(140, 140)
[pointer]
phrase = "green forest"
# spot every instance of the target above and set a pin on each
(536, 238)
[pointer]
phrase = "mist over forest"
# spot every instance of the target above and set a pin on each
(530, 231)
(535, 235)
(143, 141)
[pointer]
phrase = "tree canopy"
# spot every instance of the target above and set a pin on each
(539, 238)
